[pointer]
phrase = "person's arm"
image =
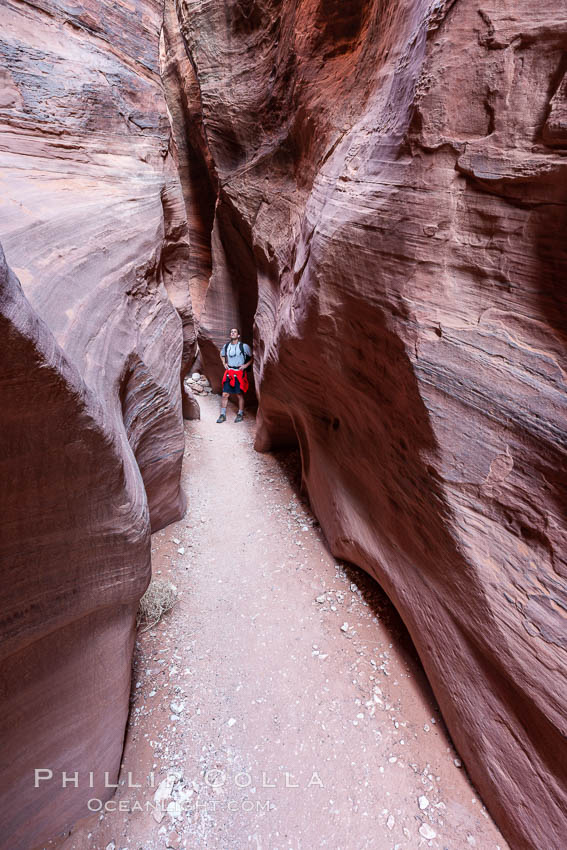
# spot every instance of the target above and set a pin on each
(247, 363)
(223, 357)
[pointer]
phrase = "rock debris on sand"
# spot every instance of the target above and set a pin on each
(255, 723)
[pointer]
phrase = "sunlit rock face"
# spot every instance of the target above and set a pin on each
(92, 222)
(390, 210)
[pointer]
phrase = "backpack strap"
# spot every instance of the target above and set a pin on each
(244, 355)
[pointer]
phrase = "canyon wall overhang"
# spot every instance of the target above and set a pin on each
(94, 343)
(75, 550)
(391, 198)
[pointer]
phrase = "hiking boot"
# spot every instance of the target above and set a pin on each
(222, 418)
(239, 416)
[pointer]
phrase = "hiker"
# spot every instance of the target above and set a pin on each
(236, 357)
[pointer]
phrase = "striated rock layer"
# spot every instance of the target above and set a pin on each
(73, 570)
(92, 221)
(390, 213)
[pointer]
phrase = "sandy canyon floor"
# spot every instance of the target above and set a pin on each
(281, 703)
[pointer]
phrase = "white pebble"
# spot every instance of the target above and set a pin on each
(426, 831)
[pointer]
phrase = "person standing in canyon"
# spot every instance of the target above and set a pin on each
(236, 357)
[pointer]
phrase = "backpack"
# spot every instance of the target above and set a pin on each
(225, 346)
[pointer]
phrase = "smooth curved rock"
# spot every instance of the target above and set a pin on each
(93, 222)
(392, 184)
(75, 561)
(93, 218)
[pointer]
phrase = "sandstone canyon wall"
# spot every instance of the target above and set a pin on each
(388, 214)
(92, 222)
(75, 561)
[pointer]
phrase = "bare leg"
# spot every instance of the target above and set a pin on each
(222, 414)
(241, 401)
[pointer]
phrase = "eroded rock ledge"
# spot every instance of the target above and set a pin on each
(386, 186)
(76, 559)
(93, 344)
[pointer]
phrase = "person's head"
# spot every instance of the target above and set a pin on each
(234, 334)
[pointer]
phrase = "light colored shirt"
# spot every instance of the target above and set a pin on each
(233, 356)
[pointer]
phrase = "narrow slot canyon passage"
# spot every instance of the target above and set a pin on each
(374, 194)
(283, 678)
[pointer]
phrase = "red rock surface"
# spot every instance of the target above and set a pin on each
(73, 570)
(92, 221)
(391, 203)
